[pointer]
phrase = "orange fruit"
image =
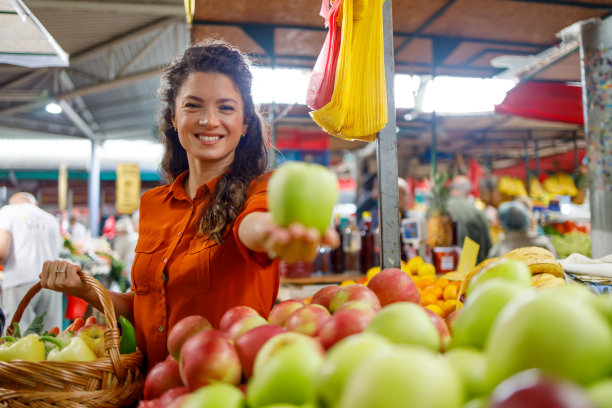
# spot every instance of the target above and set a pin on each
(348, 282)
(442, 282)
(436, 309)
(414, 264)
(449, 305)
(450, 292)
(426, 270)
(424, 282)
(428, 299)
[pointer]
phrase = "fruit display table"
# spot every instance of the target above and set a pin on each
(305, 287)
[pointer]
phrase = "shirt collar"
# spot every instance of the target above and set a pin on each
(177, 188)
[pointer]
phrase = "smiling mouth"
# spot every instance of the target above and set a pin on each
(209, 138)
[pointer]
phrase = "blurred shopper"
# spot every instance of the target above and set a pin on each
(28, 237)
(78, 231)
(515, 218)
(206, 240)
(472, 222)
(125, 243)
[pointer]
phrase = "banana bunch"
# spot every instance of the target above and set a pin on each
(511, 186)
(546, 281)
(560, 184)
(546, 271)
(539, 260)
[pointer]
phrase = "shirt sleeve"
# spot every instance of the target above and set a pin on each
(5, 219)
(257, 201)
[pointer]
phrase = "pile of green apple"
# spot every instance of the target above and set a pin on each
(375, 346)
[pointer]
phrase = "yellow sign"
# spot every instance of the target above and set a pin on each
(127, 188)
(469, 256)
(189, 10)
(62, 186)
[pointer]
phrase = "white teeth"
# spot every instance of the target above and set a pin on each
(209, 138)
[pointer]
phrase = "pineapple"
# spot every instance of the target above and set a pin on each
(439, 221)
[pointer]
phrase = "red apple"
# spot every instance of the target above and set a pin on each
(280, 312)
(394, 285)
(442, 327)
(324, 296)
(342, 324)
(178, 401)
(354, 292)
(249, 343)
(169, 396)
(307, 320)
(93, 335)
(234, 314)
(209, 356)
(243, 325)
(161, 378)
(184, 329)
(452, 316)
(533, 389)
(361, 305)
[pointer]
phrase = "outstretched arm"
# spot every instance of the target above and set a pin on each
(259, 233)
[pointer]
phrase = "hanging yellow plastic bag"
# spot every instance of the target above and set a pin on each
(358, 107)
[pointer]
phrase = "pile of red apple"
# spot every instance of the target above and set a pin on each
(376, 346)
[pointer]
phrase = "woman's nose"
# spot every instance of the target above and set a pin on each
(208, 119)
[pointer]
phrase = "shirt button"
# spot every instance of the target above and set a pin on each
(165, 260)
(161, 293)
(160, 329)
(179, 234)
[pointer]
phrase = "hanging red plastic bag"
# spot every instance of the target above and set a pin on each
(321, 85)
(75, 307)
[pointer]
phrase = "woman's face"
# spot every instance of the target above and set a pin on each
(209, 119)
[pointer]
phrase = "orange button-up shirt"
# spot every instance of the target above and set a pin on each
(176, 273)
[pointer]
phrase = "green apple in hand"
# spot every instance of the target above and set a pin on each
(504, 268)
(302, 192)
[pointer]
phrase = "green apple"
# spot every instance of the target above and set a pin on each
(561, 335)
(285, 371)
(303, 192)
(481, 402)
(219, 395)
(471, 366)
(509, 269)
(403, 376)
(405, 323)
(471, 327)
(600, 393)
(341, 361)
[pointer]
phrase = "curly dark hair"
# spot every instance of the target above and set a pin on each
(251, 154)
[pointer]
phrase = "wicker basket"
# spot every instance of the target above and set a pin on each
(114, 380)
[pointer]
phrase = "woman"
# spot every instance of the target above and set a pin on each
(516, 220)
(206, 241)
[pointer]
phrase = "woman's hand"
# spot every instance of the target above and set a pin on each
(298, 242)
(62, 276)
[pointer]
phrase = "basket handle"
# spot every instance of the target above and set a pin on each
(111, 334)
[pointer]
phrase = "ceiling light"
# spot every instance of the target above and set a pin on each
(53, 108)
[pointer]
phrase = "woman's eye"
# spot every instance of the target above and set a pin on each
(226, 108)
(191, 105)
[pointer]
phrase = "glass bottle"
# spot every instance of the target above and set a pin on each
(368, 243)
(351, 244)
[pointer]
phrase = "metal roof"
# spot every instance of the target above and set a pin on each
(118, 47)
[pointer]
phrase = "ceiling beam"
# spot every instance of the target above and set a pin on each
(149, 8)
(88, 90)
(77, 120)
(151, 43)
(67, 84)
(24, 78)
(111, 45)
